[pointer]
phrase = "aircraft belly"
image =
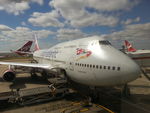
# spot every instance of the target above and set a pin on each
(82, 76)
(98, 78)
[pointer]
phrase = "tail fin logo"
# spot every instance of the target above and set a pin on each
(129, 47)
(26, 47)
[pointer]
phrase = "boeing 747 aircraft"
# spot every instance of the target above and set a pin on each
(89, 61)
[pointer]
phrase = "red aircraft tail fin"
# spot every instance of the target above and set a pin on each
(129, 46)
(26, 47)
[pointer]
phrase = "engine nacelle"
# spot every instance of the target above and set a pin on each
(9, 75)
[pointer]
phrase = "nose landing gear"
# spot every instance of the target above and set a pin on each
(126, 91)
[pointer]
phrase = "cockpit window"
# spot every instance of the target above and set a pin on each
(104, 42)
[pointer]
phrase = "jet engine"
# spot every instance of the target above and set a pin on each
(9, 75)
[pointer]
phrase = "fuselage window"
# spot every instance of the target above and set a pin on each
(113, 68)
(118, 68)
(93, 66)
(90, 65)
(100, 67)
(104, 67)
(87, 65)
(108, 67)
(84, 65)
(97, 66)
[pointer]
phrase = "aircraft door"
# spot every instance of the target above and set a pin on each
(71, 62)
(71, 66)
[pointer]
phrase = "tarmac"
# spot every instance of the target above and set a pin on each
(138, 102)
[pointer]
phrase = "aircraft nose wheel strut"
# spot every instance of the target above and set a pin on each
(126, 91)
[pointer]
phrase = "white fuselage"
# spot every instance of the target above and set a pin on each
(91, 61)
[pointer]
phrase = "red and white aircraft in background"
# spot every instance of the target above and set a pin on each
(24, 50)
(142, 57)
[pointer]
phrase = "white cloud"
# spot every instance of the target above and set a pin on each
(77, 14)
(94, 19)
(23, 23)
(5, 28)
(21, 33)
(112, 5)
(14, 38)
(22, 29)
(17, 7)
(135, 31)
(129, 21)
(69, 34)
(45, 19)
(14, 7)
(43, 33)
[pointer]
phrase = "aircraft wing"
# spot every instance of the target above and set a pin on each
(29, 65)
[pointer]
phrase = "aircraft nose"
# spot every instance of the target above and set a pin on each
(131, 70)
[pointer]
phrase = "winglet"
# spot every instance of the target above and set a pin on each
(129, 46)
(36, 44)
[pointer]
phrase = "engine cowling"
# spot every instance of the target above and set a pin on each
(9, 75)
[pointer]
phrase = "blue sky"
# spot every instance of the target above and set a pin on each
(56, 21)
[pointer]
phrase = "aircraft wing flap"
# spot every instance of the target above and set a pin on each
(30, 65)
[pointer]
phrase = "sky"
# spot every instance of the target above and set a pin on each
(55, 21)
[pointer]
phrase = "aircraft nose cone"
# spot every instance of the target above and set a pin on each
(132, 71)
